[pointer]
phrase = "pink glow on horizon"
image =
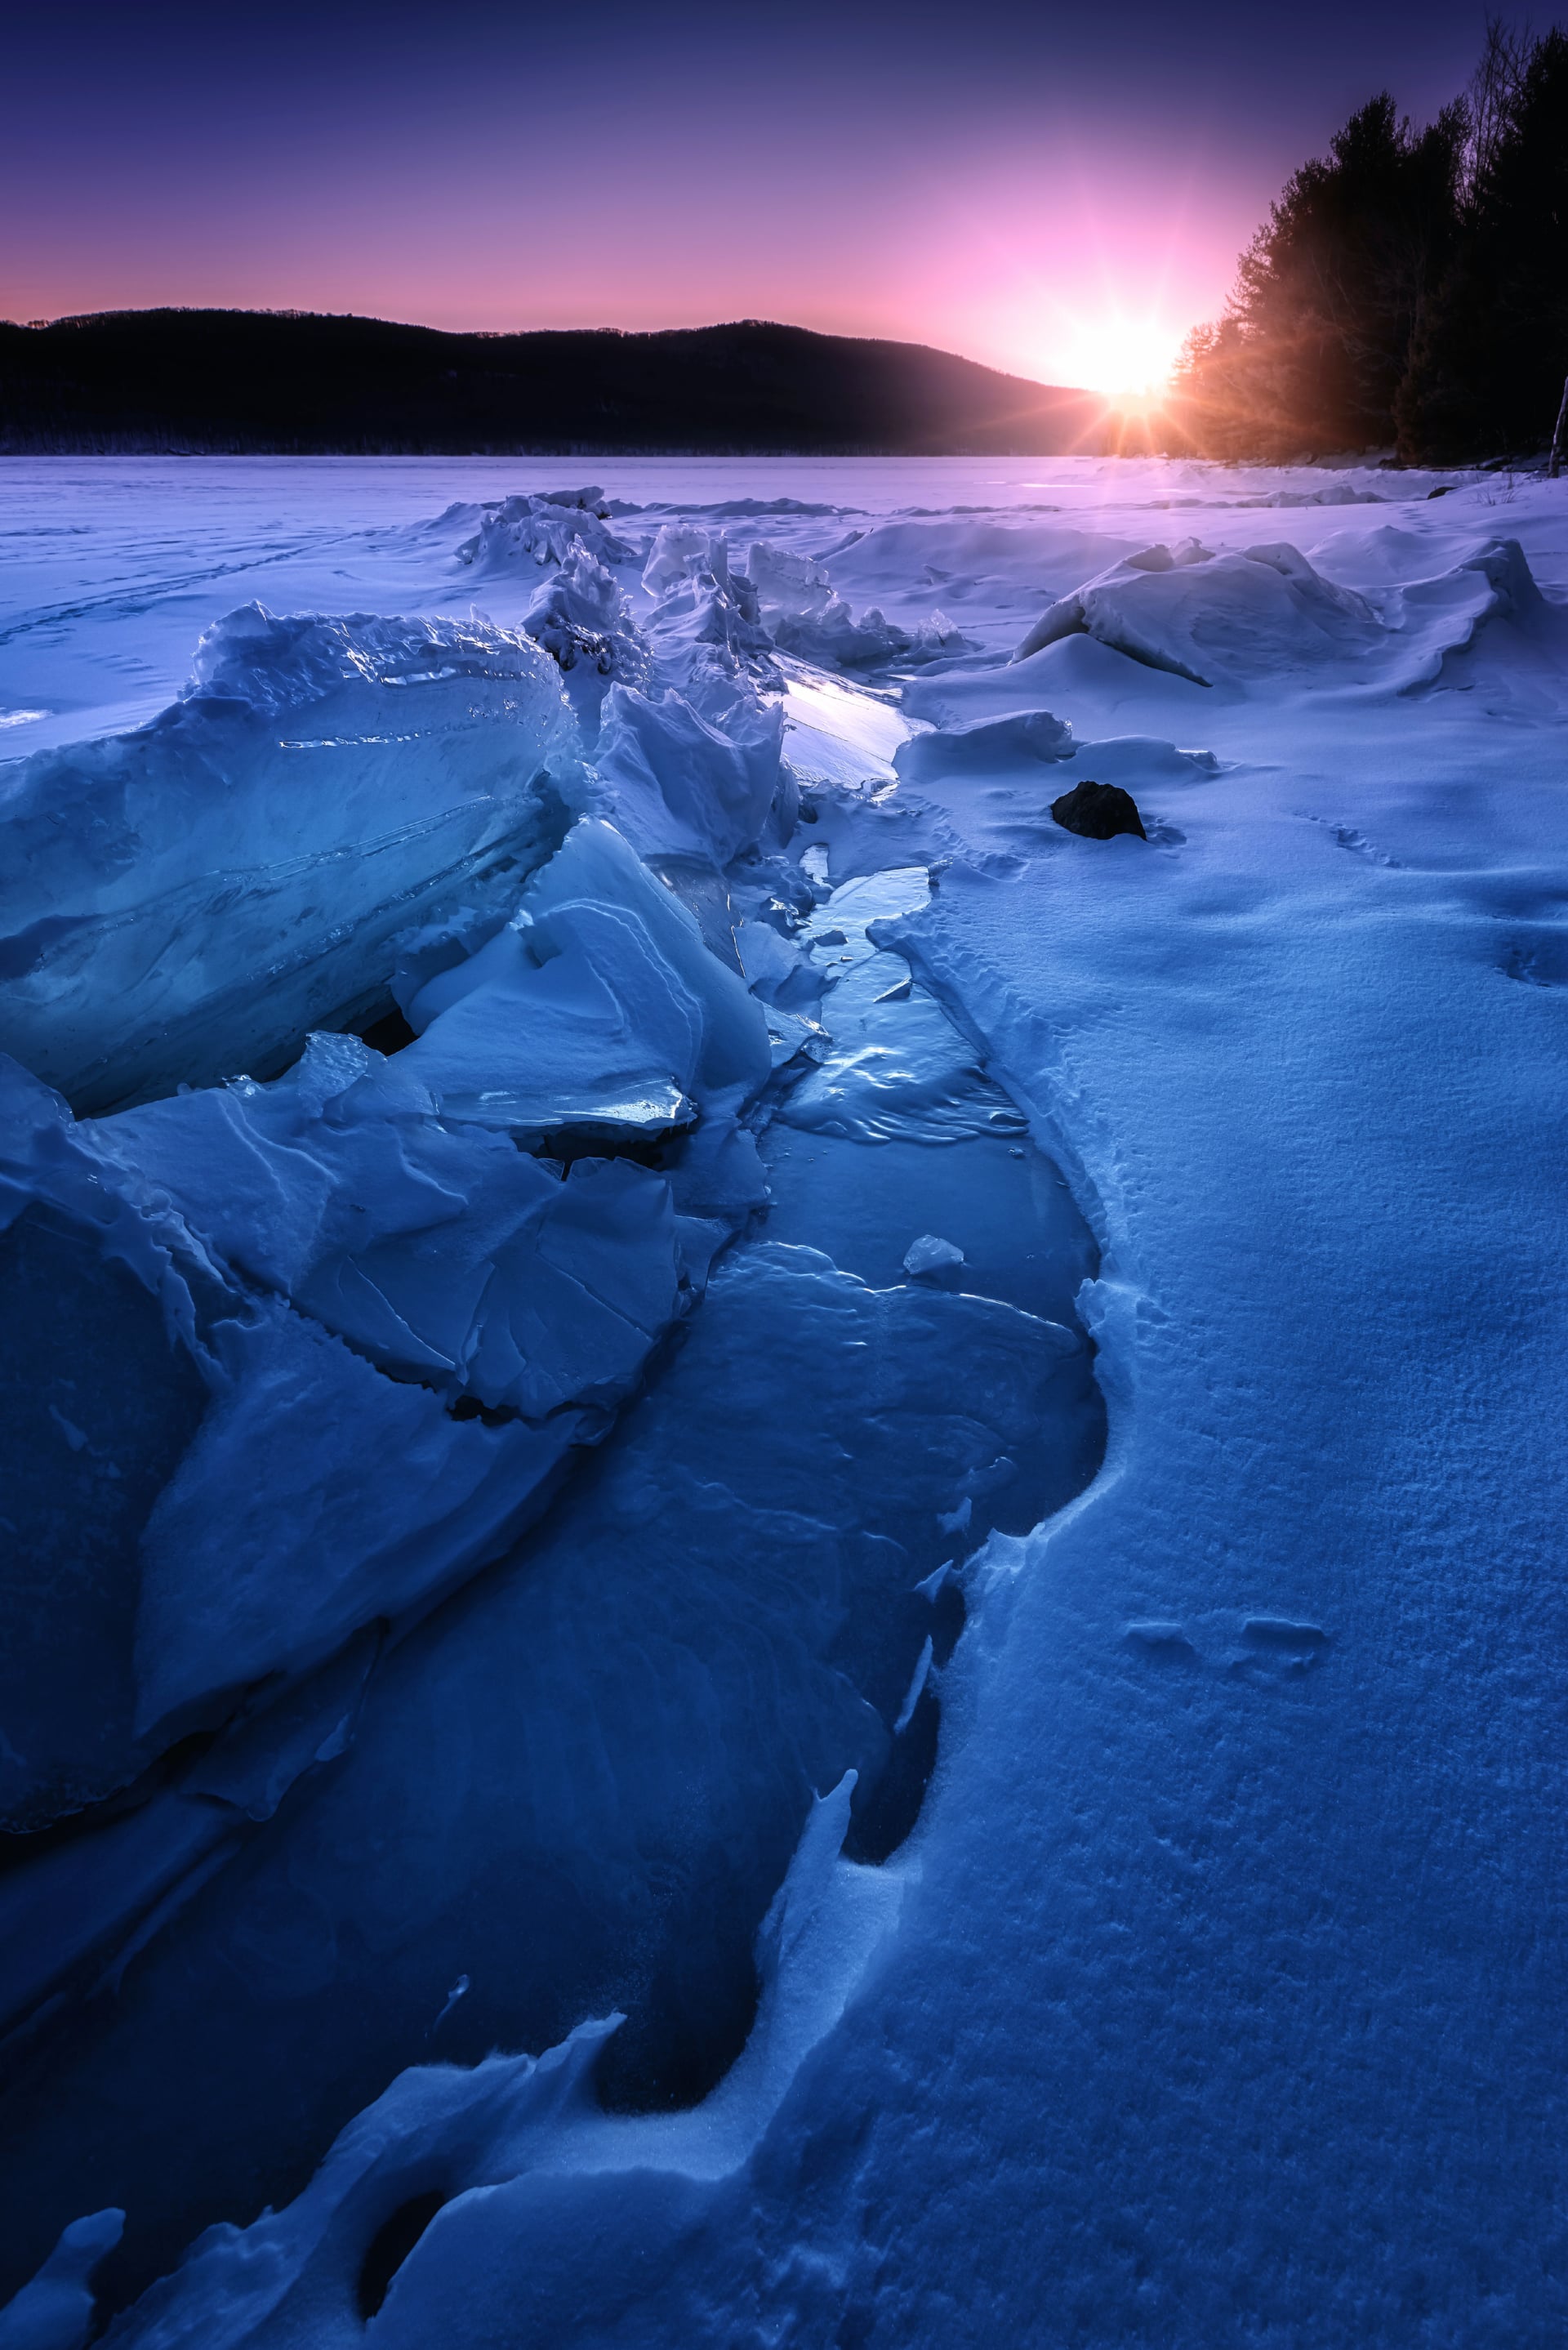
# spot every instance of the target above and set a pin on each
(1024, 268)
(1024, 182)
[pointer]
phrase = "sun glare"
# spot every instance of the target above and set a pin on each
(1131, 359)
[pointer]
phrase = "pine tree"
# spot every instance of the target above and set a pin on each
(1315, 340)
(1489, 356)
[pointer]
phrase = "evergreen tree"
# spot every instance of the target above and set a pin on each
(1314, 343)
(1490, 353)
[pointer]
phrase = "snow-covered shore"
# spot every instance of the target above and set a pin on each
(503, 1572)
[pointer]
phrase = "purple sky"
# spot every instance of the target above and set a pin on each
(1024, 183)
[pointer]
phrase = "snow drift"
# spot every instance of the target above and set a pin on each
(1266, 616)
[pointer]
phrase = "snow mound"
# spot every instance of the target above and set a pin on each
(958, 556)
(1267, 615)
(1143, 758)
(193, 898)
(1211, 617)
(448, 2151)
(57, 2310)
(1489, 597)
(1031, 737)
(1335, 493)
(522, 533)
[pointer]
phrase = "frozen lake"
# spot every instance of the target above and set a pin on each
(785, 1553)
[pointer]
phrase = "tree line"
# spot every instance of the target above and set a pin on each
(1410, 288)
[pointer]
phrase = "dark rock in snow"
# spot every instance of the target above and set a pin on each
(1098, 811)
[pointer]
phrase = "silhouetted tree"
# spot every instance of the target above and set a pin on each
(1489, 355)
(1314, 343)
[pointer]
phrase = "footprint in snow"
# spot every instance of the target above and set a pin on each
(1269, 1647)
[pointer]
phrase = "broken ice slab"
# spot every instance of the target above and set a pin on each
(896, 1066)
(849, 908)
(1244, 620)
(599, 1002)
(445, 1257)
(835, 733)
(76, 1909)
(99, 1400)
(266, 1309)
(189, 900)
(931, 1254)
(693, 773)
(580, 1784)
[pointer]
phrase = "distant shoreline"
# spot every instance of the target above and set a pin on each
(255, 383)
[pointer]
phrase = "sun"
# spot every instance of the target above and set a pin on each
(1128, 357)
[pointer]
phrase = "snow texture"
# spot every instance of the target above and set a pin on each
(825, 1608)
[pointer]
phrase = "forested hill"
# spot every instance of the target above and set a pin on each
(291, 381)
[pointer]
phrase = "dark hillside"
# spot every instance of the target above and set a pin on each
(292, 382)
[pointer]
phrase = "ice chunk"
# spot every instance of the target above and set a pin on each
(599, 1004)
(676, 782)
(189, 900)
(444, 1257)
(931, 1254)
(830, 634)
(581, 615)
(318, 1495)
(104, 1384)
(525, 533)
(786, 583)
(705, 626)
(680, 550)
(337, 1270)
(766, 955)
(936, 639)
